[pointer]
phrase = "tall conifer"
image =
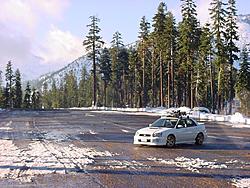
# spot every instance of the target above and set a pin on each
(18, 94)
(93, 44)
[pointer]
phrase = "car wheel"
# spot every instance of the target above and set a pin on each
(170, 141)
(199, 139)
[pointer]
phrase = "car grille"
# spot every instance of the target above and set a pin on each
(146, 135)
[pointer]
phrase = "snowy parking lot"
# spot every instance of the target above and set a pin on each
(72, 148)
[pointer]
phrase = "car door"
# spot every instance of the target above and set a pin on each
(191, 130)
(180, 131)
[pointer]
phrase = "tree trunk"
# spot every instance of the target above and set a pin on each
(161, 81)
(153, 79)
(169, 82)
(94, 73)
(172, 77)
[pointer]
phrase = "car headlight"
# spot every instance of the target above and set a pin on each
(137, 133)
(157, 135)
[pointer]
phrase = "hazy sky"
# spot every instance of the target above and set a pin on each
(44, 35)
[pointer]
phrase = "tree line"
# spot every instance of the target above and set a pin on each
(12, 94)
(171, 64)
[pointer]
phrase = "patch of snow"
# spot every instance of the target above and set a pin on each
(190, 163)
(184, 109)
(5, 128)
(237, 118)
(92, 132)
(125, 131)
(44, 157)
(123, 164)
(241, 182)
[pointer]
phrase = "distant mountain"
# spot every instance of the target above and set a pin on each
(76, 66)
(244, 29)
(244, 18)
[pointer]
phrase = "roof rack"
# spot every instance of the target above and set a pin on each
(177, 114)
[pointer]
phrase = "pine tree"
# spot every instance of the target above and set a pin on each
(46, 100)
(93, 44)
(203, 69)
(83, 88)
(218, 14)
(1, 91)
(105, 70)
(18, 94)
(54, 94)
(189, 41)
(27, 97)
(38, 100)
(33, 98)
(171, 36)
(61, 95)
(72, 89)
(159, 46)
(123, 59)
(143, 51)
(133, 74)
(243, 82)
(9, 94)
(231, 38)
(116, 46)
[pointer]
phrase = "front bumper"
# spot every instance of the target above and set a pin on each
(151, 141)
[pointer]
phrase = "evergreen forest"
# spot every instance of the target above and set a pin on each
(169, 65)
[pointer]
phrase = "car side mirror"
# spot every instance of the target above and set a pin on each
(150, 125)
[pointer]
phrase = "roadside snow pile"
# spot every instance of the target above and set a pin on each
(241, 182)
(44, 157)
(237, 118)
(200, 113)
(190, 163)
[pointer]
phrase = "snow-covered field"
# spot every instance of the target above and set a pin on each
(43, 157)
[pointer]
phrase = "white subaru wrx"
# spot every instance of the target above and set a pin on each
(170, 131)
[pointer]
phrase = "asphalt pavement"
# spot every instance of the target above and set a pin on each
(73, 148)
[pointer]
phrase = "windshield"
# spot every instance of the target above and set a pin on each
(168, 123)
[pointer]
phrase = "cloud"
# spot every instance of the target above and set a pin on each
(17, 15)
(23, 39)
(54, 8)
(60, 47)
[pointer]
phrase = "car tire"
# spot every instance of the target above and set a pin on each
(170, 141)
(199, 139)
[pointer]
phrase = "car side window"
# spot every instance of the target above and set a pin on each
(190, 123)
(181, 124)
(168, 124)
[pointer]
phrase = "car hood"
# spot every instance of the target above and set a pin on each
(151, 130)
